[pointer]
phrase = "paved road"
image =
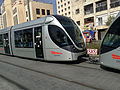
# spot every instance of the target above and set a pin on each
(53, 76)
(7, 85)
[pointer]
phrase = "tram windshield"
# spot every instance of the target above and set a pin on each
(112, 38)
(72, 29)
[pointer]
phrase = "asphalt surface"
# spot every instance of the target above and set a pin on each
(36, 75)
(5, 84)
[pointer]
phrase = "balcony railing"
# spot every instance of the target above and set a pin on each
(101, 8)
(115, 4)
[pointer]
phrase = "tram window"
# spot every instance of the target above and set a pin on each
(72, 29)
(58, 36)
(6, 41)
(24, 39)
(1, 41)
(18, 39)
(28, 38)
(112, 37)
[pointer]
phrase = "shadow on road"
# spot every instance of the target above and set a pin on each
(110, 69)
(80, 60)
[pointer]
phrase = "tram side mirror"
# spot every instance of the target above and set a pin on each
(48, 20)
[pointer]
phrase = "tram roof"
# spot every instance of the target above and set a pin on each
(39, 21)
(5, 29)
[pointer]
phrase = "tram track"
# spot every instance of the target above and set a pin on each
(14, 83)
(51, 75)
(86, 67)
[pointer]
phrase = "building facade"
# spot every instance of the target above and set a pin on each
(19, 11)
(64, 7)
(97, 12)
(93, 14)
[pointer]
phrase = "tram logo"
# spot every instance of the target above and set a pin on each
(115, 56)
(1, 49)
(53, 52)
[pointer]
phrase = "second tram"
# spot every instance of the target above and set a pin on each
(110, 47)
(52, 38)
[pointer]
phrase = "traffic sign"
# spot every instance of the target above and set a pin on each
(92, 51)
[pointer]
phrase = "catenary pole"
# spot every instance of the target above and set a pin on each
(28, 7)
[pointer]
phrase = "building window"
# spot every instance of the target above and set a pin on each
(68, 2)
(15, 20)
(48, 12)
(38, 11)
(15, 11)
(68, 12)
(78, 22)
(43, 11)
(89, 20)
(88, 9)
(69, 7)
(65, 9)
(77, 11)
(100, 21)
(100, 6)
(114, 3)
(26, 14)
(84, 0)
(3, 9)
(38, 17)
(4, 21)
(76, 0)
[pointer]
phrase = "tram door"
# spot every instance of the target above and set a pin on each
(38, 42)
(6, 44)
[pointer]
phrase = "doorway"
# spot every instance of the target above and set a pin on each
(38, 42)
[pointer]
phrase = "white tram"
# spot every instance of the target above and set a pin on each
(52, 38)
(110, 47)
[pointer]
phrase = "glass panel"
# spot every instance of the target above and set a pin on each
(38, 42)
(24, 38)
(38, 11)
(6, 44)
(72, 29)
(28, 38)
(1, 41)
(18, 39)
(43, 11)
(6, 41)
(112, 37)
(48, 12)
(58, 36)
